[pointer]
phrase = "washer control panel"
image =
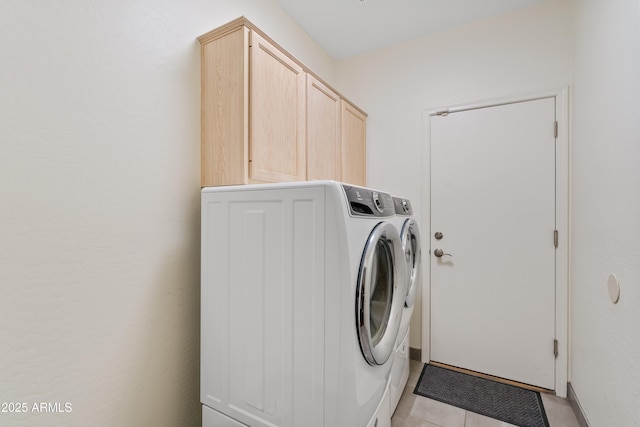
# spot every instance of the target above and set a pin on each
(402, 206)
(367, 202)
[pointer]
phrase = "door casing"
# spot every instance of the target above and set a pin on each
(562, 223)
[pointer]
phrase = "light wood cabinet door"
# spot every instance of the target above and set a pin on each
(353, 137)
(323, 131)
(277, 149)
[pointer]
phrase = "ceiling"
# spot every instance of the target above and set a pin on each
(345, 28)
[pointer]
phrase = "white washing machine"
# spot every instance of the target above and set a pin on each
(303, 288)
(410, 237)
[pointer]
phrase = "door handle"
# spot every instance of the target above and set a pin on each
(440, 253)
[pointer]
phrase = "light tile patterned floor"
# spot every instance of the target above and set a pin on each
(418, 411)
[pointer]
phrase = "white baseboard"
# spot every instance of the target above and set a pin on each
(575, 405)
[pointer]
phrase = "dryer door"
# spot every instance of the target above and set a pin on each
(380, 294)
(412, 253)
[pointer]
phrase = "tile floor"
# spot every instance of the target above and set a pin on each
(418, 411)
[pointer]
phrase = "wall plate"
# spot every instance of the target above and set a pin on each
(614, 288)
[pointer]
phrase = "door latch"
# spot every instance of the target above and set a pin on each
(440, 253)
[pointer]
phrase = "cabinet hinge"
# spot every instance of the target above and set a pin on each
(555, 348)
(555, 129)
(555, 238)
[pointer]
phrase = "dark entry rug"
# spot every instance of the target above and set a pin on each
(504, 402)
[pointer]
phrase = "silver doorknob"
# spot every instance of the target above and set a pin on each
(440, 253)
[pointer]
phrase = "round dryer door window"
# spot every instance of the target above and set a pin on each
(380, 294)
(412, 253)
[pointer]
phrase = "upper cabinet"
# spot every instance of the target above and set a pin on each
(267, 118)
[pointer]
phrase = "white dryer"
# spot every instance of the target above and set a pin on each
(303, 288)
(410, 237)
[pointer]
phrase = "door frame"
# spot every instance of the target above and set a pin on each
(562, 274)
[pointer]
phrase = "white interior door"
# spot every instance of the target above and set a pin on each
(493, 201)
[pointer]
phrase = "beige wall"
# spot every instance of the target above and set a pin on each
(518, 53)
(99, 204)
(605, 358)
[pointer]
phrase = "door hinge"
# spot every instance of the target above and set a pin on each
(555, 348)
(555, 128)
(555, 238)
